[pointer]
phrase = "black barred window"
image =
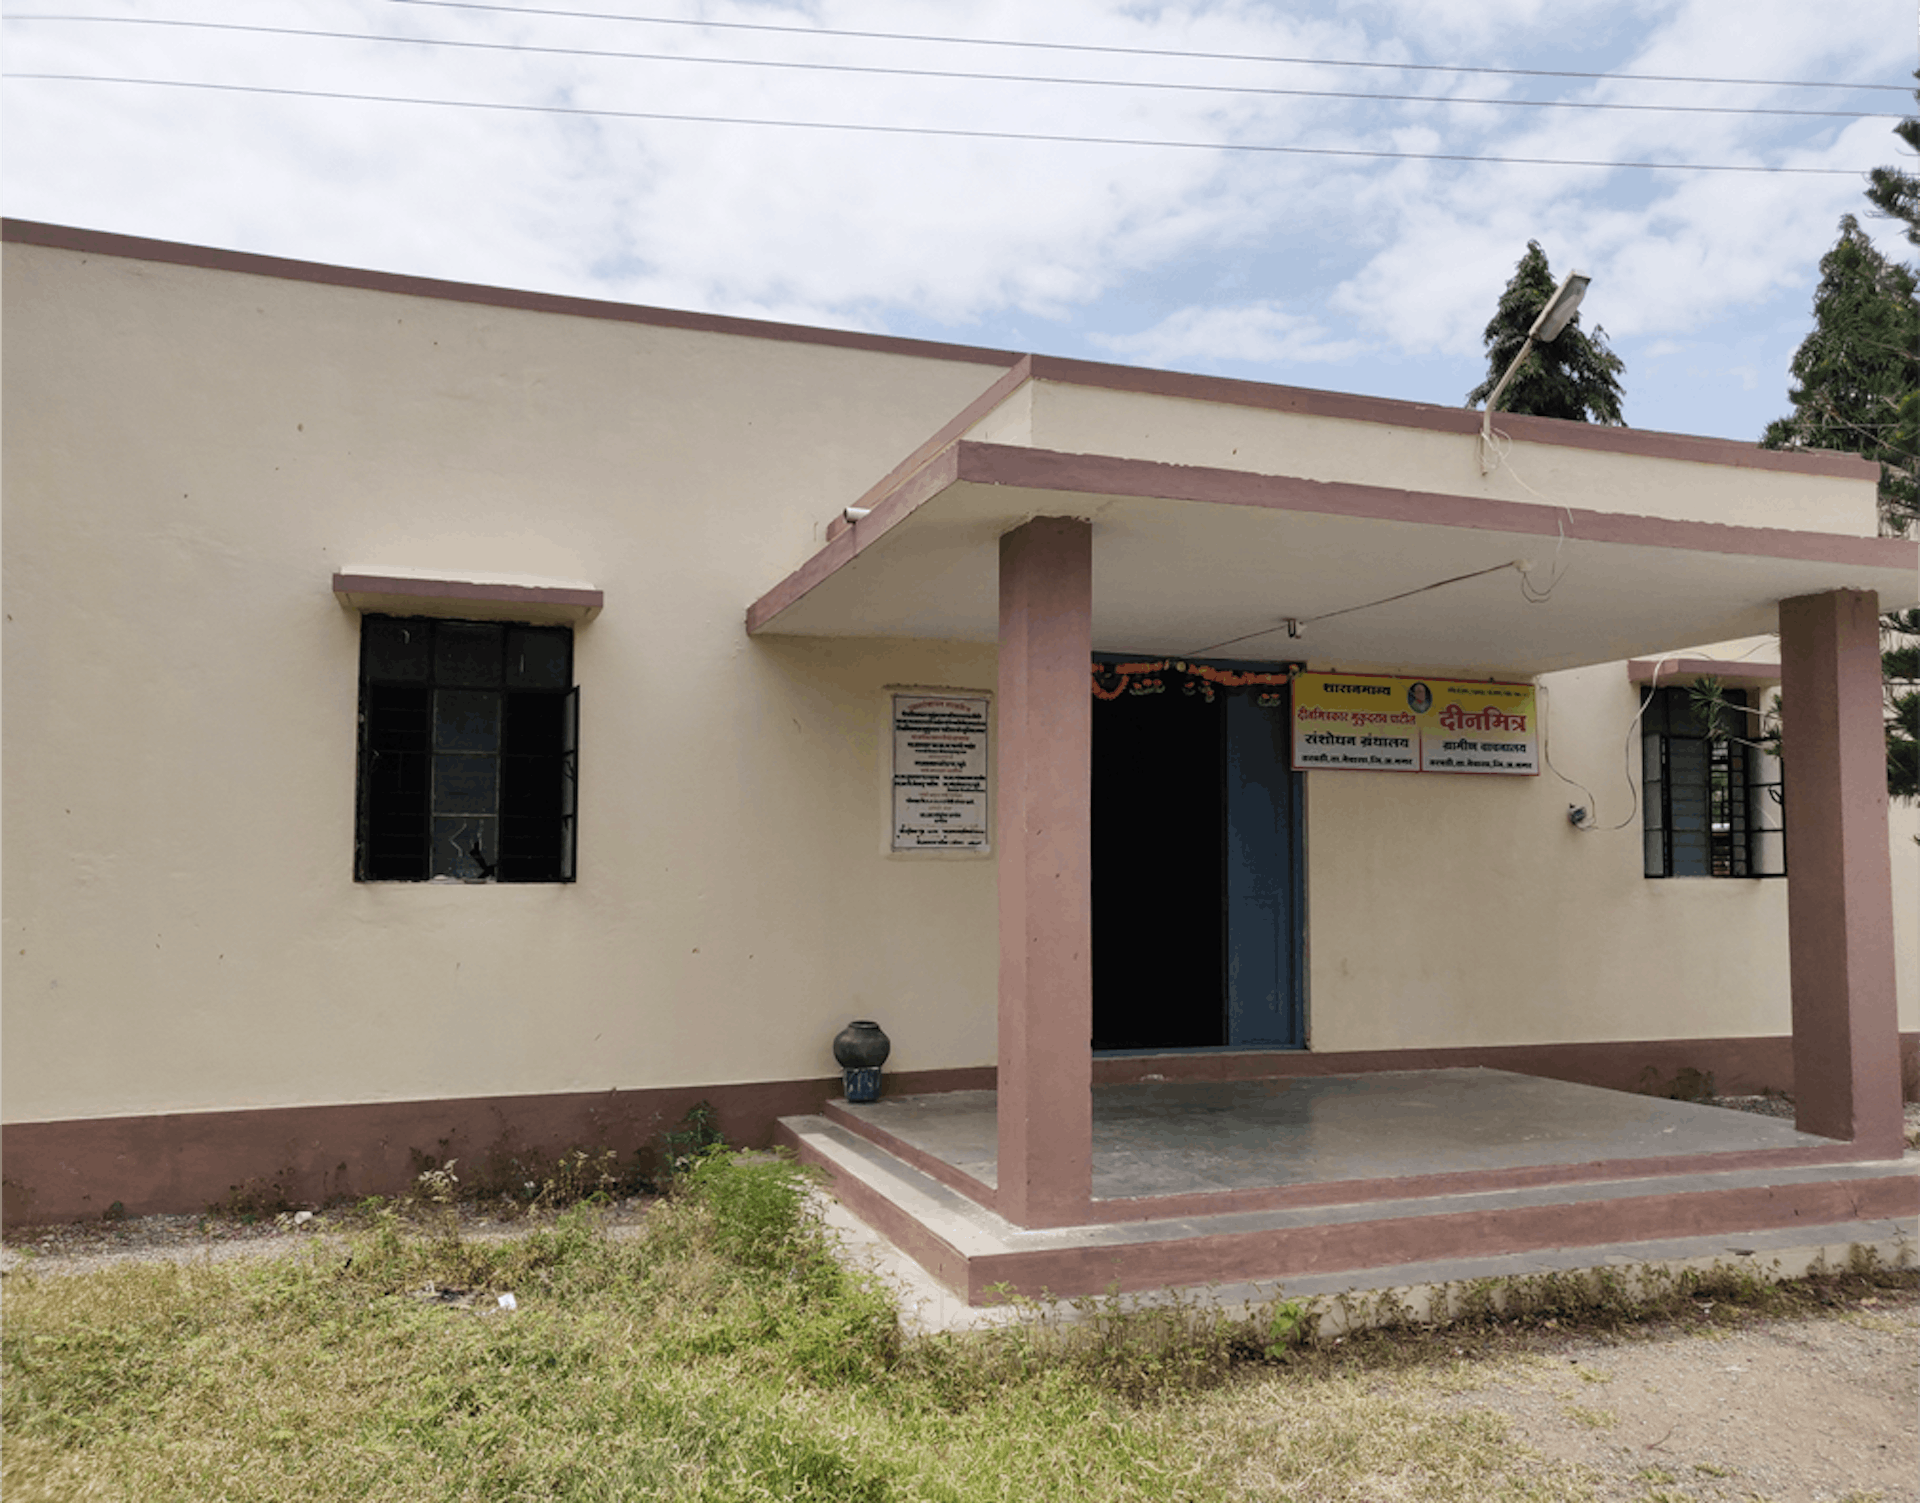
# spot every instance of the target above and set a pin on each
(469, 762)
(1713, 803)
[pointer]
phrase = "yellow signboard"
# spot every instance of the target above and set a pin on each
(1376, 723)
(1355, 720)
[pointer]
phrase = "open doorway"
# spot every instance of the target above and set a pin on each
(1198, 906)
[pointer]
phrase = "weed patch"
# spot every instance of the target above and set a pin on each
(724, 1354)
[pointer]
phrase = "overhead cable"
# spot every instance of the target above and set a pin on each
(956, 132)
(1232, 57)
(791, 65)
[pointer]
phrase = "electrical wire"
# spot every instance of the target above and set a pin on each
(1230, 57)
(1293, 623)
(1495, 442)
(1535, 594)
(1260, 148)
(1653, 684)
(530, 49)
(1633, 811)
(1546, 752)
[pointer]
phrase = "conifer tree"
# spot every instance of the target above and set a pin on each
(1894, 191)
(1857, 387)
(1576, 376)
(1857, 368)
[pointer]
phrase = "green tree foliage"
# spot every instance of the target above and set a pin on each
(1857, 368)
(1857, 387)
(1894, 191)
(1576, 377)
(1900, 666)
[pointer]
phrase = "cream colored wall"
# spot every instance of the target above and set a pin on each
(1178, 430)
(191, 455)
(1904, 841)
(1451, 911)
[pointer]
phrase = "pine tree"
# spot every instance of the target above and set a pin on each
(1577, 376)
(1858, 388)
(1894, 191)
(1857, 368)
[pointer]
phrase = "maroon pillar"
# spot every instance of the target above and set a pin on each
(1846, 1032)
(1044, 825)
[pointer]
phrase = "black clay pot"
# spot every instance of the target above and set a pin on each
(861, 1046)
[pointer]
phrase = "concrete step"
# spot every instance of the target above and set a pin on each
(978, 1254)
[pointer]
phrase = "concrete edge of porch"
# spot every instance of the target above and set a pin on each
(1427, 1292)
(974, 1251)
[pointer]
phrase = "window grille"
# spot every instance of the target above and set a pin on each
(1714, 804)
(469, 752)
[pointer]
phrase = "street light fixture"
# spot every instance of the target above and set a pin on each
(1553, 318)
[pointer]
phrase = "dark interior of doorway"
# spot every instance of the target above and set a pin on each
(1159, 871)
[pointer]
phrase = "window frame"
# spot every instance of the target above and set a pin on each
(1705, 812)
(442, 725)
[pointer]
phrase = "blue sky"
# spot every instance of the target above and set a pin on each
(1350, 273)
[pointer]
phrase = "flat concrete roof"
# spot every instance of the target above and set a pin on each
(1192, 562)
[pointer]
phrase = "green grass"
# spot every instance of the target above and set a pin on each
(722, 1355)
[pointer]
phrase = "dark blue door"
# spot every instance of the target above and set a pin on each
(1264, 887)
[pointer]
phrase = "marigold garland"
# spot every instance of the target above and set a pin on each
(1111, 680)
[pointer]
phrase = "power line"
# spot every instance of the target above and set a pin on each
(931, 130)
(1230, 57)
(900, 72)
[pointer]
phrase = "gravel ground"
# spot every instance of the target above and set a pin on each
(1790, 1411)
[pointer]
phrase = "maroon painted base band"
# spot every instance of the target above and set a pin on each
(67, 1170)
(313, 1155)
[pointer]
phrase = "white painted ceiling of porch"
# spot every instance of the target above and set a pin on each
(1181, 578)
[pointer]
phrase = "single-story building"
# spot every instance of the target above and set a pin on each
(441, 718)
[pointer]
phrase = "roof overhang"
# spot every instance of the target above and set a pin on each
(1194, 561)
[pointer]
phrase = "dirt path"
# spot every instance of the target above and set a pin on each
(88, 1246)
(1791, 1411)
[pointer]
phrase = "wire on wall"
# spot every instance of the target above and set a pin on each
(1646, 698)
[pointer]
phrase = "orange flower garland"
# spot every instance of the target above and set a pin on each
(1197, 678)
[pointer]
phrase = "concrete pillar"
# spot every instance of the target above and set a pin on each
(1846, 1032)
(1044, 833)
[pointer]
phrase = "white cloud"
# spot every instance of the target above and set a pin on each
(1262, 332)
(1266, 259)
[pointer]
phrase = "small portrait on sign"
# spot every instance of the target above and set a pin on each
(1419, 699)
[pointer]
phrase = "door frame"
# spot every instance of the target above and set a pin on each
(1296, 791)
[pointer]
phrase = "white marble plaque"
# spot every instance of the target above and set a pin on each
(939, 772)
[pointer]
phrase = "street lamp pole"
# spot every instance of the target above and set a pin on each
(1559, 311)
